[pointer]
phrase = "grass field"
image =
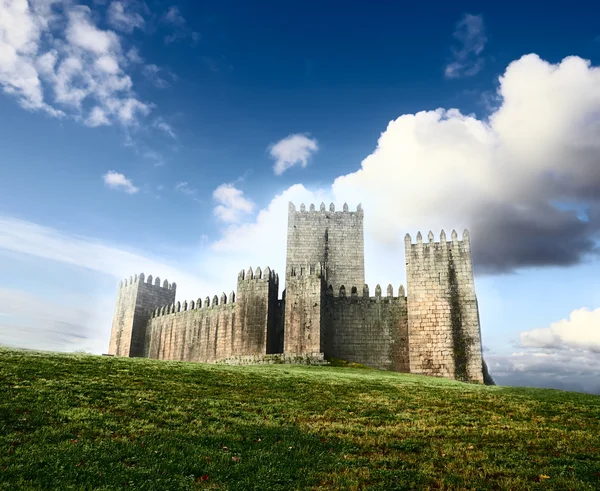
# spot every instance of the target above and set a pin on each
(89, 422)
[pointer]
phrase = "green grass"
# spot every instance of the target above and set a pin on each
(90, 422)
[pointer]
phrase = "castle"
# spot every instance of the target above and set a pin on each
(326, 310)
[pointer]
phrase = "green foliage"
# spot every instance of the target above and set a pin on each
(78, 422)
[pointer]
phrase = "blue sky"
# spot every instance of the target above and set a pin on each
(168, 137)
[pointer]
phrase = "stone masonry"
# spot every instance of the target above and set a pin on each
(326, 311)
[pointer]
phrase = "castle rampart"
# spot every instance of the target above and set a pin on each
(371, 330)
(326, 309)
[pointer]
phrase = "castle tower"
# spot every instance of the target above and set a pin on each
(443, 318)
(332, 238)
(136, 299)
(255, 322)
(304, 310)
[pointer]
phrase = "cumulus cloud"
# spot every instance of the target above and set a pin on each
(115, 180)
(580, 331)
(466, 58)
(292, 150)
(232, 204)
(54, 58)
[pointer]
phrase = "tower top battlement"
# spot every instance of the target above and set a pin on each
(322, 208)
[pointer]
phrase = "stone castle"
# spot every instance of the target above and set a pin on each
(326, 310)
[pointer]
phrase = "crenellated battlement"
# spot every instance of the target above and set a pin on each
(430, 246)
(363, 293)
(147, 281)
(258, 274)
(323, 209)
(178, 307)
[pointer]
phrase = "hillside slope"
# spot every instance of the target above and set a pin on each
(91, 422)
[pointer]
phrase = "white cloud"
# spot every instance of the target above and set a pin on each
(232, 203)
(580, 331)
(53, 57)
(120, 18)
(81, 32)
(115, 180)
(292, 150)
(467, 59)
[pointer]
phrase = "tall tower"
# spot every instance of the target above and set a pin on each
(136, 299)
(443, 317)
(334, 239)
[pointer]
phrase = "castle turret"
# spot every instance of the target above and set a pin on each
(443, 318)
(256, 313)
(136, 299)
(304, 309)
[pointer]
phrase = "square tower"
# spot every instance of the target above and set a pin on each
(332, 238)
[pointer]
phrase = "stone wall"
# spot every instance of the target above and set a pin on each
(240, 325)
(198, 331)
(443, 320)
(333, 239)
(303, 310)
(136, 297)
(372, 331)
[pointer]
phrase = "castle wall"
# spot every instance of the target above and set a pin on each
(136, 297)
(209, 331)
(303, 310)
(333, 239)
(198, 331)
(443, 319)
(372, 331)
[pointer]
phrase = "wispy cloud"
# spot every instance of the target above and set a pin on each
(184, 188)
(232, 204)
(115, 180)
(162, 125)
(466, 58)
(118, 261)
(175, 19)
(123, 17)
(291, 151)
(151, 72)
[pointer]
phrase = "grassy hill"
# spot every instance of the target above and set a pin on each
(89, 422)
